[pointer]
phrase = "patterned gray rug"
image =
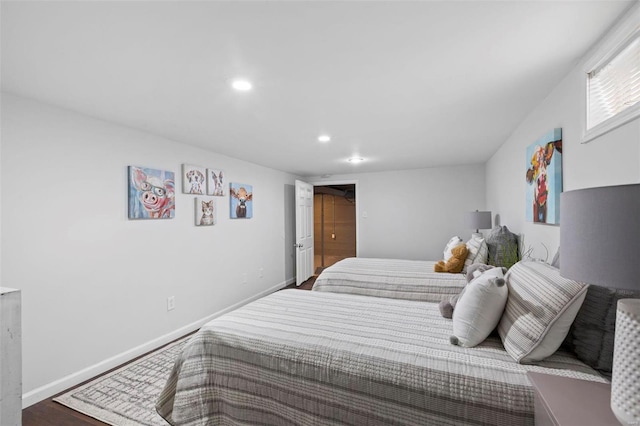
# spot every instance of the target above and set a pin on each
(127, 396)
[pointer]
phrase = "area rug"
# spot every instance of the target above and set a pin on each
(127, 396)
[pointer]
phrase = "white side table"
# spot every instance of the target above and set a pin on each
(563, 401)
(10, 357)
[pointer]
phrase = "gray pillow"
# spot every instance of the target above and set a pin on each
(503, 247)
(592, 333)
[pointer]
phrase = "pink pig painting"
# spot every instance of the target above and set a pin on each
(151, 193)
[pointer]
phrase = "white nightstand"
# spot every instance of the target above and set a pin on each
(562, 401)
(10, 357)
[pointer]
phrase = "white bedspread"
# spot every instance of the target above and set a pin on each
(301, 357)
(391, 278)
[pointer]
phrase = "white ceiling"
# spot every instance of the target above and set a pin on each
(402, 84)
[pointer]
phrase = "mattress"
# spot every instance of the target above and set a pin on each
(392, 278)
(313, 358)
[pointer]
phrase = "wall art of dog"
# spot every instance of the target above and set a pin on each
(193, 179)
(215, 182)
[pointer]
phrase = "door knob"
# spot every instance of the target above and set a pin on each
(297, 245)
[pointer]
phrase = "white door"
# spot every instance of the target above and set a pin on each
(304, 231)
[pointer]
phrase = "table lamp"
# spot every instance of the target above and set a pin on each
(599, 243)
(478, 220)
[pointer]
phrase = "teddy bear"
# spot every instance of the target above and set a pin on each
(448, 305)
(456, 262)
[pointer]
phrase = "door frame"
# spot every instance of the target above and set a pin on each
(346, 182)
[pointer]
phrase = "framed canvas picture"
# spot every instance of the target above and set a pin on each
(215, 182)
(205, 211)
(194, 179)
(544, 179)
(241, 201)
(151, 193)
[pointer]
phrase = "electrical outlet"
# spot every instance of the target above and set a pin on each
(171, 303)
(244, 278)
(261, 272)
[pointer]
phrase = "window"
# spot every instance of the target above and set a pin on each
(615, 86)
(613, 79)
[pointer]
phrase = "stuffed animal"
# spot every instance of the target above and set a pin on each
(456, 263)
(449, 304)
(480, 308)
(474, 271)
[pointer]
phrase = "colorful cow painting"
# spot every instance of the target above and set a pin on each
(241, 201)
(544, 179)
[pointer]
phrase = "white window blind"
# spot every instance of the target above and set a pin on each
(614, 86)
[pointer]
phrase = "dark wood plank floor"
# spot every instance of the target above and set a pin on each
(50, 413)
(307, 285)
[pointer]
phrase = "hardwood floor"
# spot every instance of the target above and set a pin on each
(50, 413)
(307, 285)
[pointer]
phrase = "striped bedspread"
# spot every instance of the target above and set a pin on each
(392, 278)
(311, 358)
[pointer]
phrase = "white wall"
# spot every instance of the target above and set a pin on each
(1, 96)
(411, 214)
(612, 159)
(95, 284)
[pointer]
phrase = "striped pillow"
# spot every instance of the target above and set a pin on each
(540, 310)
(478, 252)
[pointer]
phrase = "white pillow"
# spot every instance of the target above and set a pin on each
(479, 308)
(454, 241)
(540, 310)
(478, 252)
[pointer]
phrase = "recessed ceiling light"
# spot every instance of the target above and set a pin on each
(324, 138)
(356, 159)
(242, 85)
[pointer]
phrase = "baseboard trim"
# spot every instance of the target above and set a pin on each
(46, 391)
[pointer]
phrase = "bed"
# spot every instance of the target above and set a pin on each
(318, 358)
(391, 278)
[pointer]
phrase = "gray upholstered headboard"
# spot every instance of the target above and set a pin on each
(592, 333)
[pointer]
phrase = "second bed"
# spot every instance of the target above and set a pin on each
(391, 278)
